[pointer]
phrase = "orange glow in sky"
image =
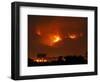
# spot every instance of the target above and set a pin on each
(57, 35)
(51, 39)
(56, 38)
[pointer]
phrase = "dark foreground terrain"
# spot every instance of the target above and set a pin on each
(68, 60)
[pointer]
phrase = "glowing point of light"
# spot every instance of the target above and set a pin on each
(45, 60)
(37, 60)
(72, 36)
(40, 60)
(38, 32)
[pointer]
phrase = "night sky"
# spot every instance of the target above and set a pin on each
(57, 35)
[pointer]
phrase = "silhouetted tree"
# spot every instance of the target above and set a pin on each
(60, 60)
(75, 60)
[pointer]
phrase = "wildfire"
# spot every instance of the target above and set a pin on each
(53, 37)
(56, 38)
